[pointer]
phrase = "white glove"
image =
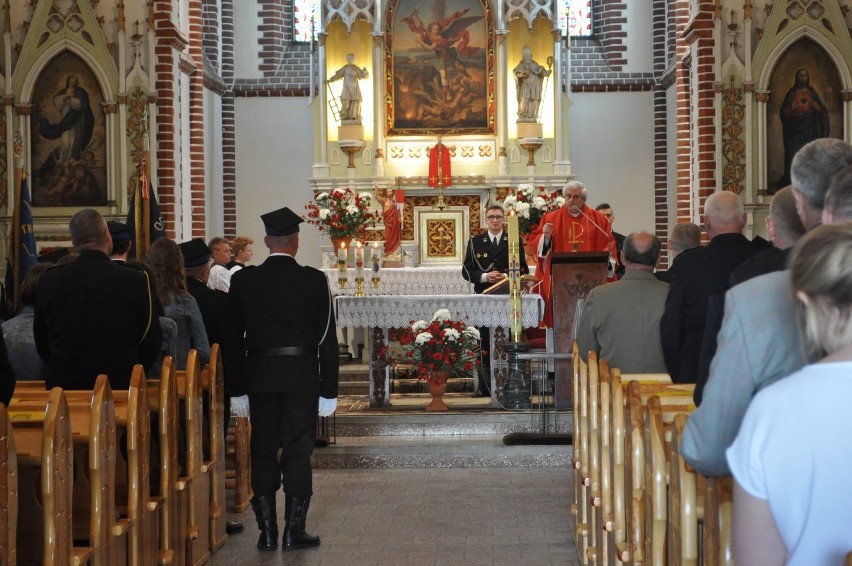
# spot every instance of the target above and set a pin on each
(240, 406)
(327, 406)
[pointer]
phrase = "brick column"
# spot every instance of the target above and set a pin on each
(229, 159)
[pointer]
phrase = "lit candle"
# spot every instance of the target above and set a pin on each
(376, 260)
(514, 279)
(341, 258)
(359, 261)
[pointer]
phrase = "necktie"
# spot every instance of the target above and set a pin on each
(494, 241)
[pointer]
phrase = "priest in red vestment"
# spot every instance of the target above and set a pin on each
(573, 227)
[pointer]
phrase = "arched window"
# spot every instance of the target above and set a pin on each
(306, 17)
(576, 18)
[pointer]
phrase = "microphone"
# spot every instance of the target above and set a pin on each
(610, 268)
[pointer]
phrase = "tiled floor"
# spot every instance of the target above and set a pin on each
(427, 516)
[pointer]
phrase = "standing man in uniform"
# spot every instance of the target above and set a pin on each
(486, 262)
(281, 355)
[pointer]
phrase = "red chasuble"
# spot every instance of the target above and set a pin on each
(439, 166)
(570, 234)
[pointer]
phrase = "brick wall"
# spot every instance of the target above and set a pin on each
(661, 207)
(229, 159)
(597, 63)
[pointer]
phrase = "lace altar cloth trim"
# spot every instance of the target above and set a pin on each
(397, 311)
(405, 281)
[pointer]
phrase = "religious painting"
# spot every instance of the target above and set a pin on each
(68, 133)
(804, 104)
(439, 61)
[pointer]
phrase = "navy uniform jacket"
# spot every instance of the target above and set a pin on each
(480, 257)
(212, 303)
(281, 304)
(95, 316)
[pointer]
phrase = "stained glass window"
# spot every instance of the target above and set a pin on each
(576, 16)
(306, 17)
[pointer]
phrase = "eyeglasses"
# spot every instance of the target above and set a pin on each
(494, 217)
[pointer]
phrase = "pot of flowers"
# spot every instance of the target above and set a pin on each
(531, 204)
(341, 213)
(438, 350)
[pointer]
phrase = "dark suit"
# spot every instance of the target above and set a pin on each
(694, 278)
(95, 316)
(7, 374)
(765, 261)
(619, 246)
(281, 304)
(481, 257)
(212, 304)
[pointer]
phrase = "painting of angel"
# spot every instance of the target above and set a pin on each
(439, 60)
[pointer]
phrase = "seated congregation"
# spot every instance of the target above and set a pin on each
(714, 409)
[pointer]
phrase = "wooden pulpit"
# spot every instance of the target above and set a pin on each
(574, 274)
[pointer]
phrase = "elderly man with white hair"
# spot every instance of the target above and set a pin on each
(574, 227)
(698, 275)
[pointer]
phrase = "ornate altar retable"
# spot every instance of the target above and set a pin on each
(381, 312)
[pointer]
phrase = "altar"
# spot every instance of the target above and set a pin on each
(380, 313)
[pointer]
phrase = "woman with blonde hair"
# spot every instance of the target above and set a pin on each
(166, 262)
(792, 456)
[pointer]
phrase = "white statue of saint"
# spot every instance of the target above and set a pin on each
(350, 94)
(529, 77)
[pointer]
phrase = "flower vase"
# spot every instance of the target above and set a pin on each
(437, 387)
(337, 241)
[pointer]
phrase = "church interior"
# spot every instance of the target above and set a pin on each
(428, 111)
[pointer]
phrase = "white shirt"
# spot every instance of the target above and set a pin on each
(484, 277)
(794, 450)
(220, 278)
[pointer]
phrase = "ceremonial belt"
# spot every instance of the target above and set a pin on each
(281, 351)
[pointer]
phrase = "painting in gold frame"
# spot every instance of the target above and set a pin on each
(439, 60)
(68, 135)
(815, 112)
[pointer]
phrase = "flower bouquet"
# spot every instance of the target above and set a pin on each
(442, 345)
(530, 204)
(342, 213)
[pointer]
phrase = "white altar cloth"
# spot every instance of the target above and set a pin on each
(380, 313)
(397, 311)
(405, 281)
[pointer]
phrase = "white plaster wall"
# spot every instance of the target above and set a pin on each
(274, 152)
(612, 153)
(638, 40)
(246, 48)
(214, 216)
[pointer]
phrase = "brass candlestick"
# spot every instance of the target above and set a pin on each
(359, 286)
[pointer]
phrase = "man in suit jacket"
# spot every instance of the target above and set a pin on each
(281, 350)
(621, 321)
(93, 315)
(212, 304)
(605, 209)
(685, 236)
(759, 341)
(699, 274)
(486, 262)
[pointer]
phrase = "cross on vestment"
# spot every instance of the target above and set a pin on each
(575, 231)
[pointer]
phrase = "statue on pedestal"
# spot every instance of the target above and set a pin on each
(350, 94)
(529, 77)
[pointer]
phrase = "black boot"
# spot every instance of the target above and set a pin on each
(295, 537)
(267, 521)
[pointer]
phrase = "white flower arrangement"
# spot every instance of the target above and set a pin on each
(442, 314)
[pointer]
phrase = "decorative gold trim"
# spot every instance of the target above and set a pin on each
(24, 109)
(733, 146)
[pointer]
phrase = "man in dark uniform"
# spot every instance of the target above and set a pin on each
(212, 304)
(93, 316)
(281, 350)
(486, 262)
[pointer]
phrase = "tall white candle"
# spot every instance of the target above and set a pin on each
(376, 261)
(359, 261)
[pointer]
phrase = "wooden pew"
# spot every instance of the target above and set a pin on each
(238, 464)
(213, 385)
(639, 489)
(8, 490)
(579, 508)
(196, 478)
(718, 521)
(93, 430)
(163, 400)
(45, 482)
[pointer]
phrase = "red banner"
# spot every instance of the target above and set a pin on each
(440, 173)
